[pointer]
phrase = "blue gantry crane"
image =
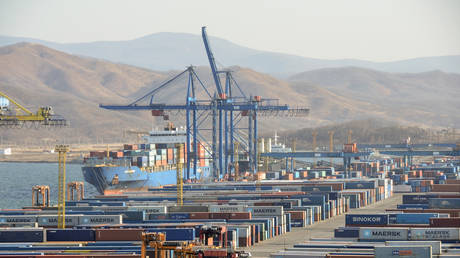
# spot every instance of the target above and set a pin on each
(227, 106)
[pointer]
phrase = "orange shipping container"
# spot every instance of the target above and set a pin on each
(170, 154)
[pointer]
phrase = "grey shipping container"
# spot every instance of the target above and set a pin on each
(404, 251)
(444, 203)
(434, 233)
(435, 245)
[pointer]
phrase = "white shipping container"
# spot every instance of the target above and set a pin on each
(243, 231)
(18, 218)
(383, 233)
(149, 209)
(100, 219)
(52, 220)
(227, 208)
(434, 233)
(6, 151)
(403, 251)
(435, 245)
(263, 211)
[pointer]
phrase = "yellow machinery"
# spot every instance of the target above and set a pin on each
(314, 134)
(161, 248)
(331, 144)
(294, 143)
(62, 151)
(236, 165)
(180, 184)
(349, 136)
(19, 116)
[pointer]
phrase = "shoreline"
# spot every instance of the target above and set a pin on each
(41, 161)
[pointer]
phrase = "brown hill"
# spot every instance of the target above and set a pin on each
(428, 99)
(36, 76)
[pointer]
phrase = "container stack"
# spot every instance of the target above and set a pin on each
(246, 212)
(146, 156)
(424, 225)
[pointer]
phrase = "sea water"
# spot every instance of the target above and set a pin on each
(17, 180)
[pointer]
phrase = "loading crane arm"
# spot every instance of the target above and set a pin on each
(44, 115)
(212, 61)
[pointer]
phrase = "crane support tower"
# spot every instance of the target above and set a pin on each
(233, 116)
(16, 117)
(62, 152)
(180, 179)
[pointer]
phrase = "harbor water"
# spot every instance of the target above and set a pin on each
(19, 178)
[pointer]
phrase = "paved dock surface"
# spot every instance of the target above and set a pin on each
(323, 229)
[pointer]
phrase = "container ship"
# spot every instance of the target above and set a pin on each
(142, 166)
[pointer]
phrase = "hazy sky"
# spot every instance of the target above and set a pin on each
(373, 30)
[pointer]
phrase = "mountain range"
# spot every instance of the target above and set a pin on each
(173, 51)
(36, 75)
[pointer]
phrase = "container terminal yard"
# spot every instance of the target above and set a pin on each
(237, 195)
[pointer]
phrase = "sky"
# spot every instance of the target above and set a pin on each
(385, 30)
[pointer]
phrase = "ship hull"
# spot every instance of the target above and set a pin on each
(123, 178)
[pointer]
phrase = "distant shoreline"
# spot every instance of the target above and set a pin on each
(41, 161)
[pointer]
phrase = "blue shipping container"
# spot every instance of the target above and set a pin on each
(14, 235)
(412, 206)
(70, 235)
(411, 218)
(176, 234)
(366, 219)
(346, 232)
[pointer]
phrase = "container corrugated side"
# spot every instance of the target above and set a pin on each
(379, 234)
(435, 234)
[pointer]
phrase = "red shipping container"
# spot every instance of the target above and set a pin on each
(219, 215)
(297, 214)
(240, 215)
(445, 222)
(126, 234)
(199, 215)
(446, 188)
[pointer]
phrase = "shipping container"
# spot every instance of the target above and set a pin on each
(444, 203)
(100, 219)
(366, 219)
(22, 235)
(175, 234)
(450, 234)
(125, 234)
(70, 235)
(379, 234)
(435, 245)
(404, 251)
(52, 220)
